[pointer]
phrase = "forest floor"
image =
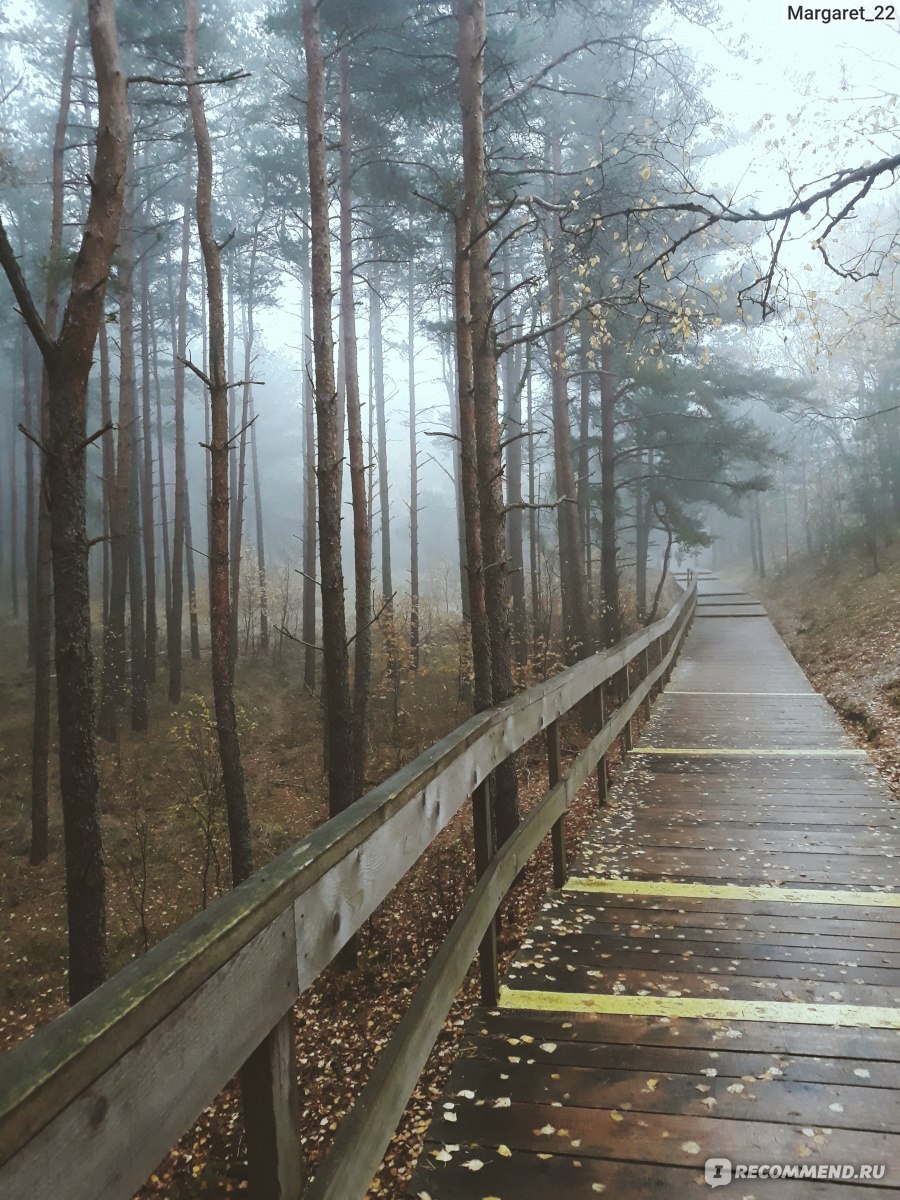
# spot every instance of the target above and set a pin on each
(842, 624)
(166, 853)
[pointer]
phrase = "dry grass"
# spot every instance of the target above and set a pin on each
(842, 624)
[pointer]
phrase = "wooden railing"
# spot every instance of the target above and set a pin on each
(90, 1104)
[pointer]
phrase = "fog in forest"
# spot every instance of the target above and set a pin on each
(365, 363)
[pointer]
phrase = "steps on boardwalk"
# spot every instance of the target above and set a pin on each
(721, 974)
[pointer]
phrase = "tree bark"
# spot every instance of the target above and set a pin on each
(573, 588)
(512, 403)
(413, 471)
(472, 35)
(173, 625)
(131, 432)
(149, 543)
(260, 537)
(448, 363)
(161, 470)
(584, 460)
(139, 710)
(760, 548)
(384, 496)
(12, 520)
(642, 534)
(31, 498)
(191, 574)
(68, 363)
(362, 558)
(309, 482)
(533, 523)
(113, 686)
(609, 566)
(237, 524)
(217, 382)
(478, 620)
(331, 576)
(108, 443)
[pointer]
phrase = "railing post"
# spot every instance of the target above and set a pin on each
(668, 639)
(624, 693)
(558, 832)
(602, 770)
(483, 828)
(271, 1104)
(659, 653)
(645, 671)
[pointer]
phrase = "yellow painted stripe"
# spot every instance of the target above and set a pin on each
(805, 695)
(749, 752)
(786, 1012)
(729, 891)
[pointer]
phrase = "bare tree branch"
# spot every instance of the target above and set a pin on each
(27, 306)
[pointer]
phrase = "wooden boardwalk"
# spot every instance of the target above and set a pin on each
(720, 976)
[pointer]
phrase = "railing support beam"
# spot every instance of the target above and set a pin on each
(645, 671)
(483, 827)
(558, 832)
(624, 693)
(602, 769)
(271, 1103)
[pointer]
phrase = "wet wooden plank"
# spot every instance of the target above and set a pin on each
(524, 1175)
(633, 1103)
(665, 1139)
(763, 1097)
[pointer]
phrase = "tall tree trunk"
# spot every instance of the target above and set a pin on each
(448, 364)
(43, 643)
(68, 363)
(362, 559)
(573, 588)
(139, 714)
(237, 523)
(260, 537)
(609, 566)
(478, 619)
(533, 522)
(39, 568)
(217, 382)
(413, 472)
(3, 521)
(760, 549)
(232, 417)
(113, 687)
(309, 481)
(191, 574)
(331, 576)
(384, 496)
(472, 35)
(207, 431)
(173, 626)
(13, 517)
(754, 553)
(130, 430)
(31, 499)
(149, 543)
(161, 470)
(370, 445)
(642, 533)
(584, 460)
(109, 460)
(512, 402)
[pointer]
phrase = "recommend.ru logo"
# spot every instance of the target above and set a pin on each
(717, 1171)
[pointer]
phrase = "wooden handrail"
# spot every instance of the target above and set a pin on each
(127, 1070)
(363, 1135)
